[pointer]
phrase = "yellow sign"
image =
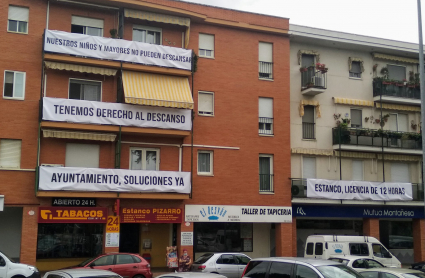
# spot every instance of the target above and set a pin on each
(113, 224)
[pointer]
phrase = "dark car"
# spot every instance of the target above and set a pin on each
(125, 264)
(419, 266)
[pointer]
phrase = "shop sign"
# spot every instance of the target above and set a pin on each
(118, 50)
(73, 202)
(358, 211)
(112, 232)
(151, 215)
(358, 190)
(187, 238)
(105, 113)
(72, 215)
(248, 214)
(118, 180)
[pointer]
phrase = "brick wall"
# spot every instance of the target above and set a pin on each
(371, 227)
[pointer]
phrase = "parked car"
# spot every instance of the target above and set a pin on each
(418, 266)
(230, 265)
(80, 273)
(298, 268)
(357, 261)
(125, 264)
(9, 268)
(391, 273)
(191, 275)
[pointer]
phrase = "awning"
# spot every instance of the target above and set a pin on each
(401, 157)
(78, 135)
(79, 68)
(314, 103)
(399, 107)
(163, 18)
(395, 58)
(349, 101)
(355, 154)
(157, 90)
(312, 151)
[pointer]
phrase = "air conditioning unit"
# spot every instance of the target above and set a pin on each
(318, 81)
(51, 165)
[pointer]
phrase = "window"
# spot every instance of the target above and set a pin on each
(242, 260)
(205, 162)
(400, 172)
(355, 71)
(359, 249)
(266, 173)
(310, 248)
(147, 34)
(319, 248)
(10, 153)
(305, 272)
(265, 57)
(360, 263)
(18, 19)
(257, 269)
(309, 167)
(373, 263)
(2, 261)
(356, 118)
(105, 260)
(307, 60)
(124, 259)
(144, 159)
(389, 275)
(402, 122)
(206, 103)
(380, 252)
(206, 45)
(396, 72)
(265, 120)
(85, 90)
(358, 170)
(370, 274)
(280, 270)
(226, 259)
(87, 26)
(14, 85)
(82, 155)
(308, 122)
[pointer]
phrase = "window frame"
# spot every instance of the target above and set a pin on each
(211, 172)
(271, 73)
(85, 26)
(147, 28)
(395, 65)
(143, 161)
(271, 173)
(314, 123)
(13, 92)
(264, 131)
(212, 50)
(213, 98)
(88, 81)
(352, 169)
(361, 117)
(27, 22)
(20, 153)
(352, 74)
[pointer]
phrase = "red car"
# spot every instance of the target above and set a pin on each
(125, 264)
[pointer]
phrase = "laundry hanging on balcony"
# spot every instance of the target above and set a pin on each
(157, 90)
(314, 103)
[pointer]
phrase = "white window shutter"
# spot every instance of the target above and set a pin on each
(400, 172)
(206, 41)
(18, 13)
(206, 102)
(85, 21)
(265, 52)
(82, 155)
(403, 123)
(10, 153)
(357, 170)
(309, 167)
(265, 107)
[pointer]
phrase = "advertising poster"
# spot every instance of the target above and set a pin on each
(172, 258)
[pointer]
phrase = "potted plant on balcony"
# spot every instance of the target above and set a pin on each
(399, 83)
(309, 84)
(417, 80)
(413, 125)
(303, 69)
(385, 117)
(322, 67)
(384, 72)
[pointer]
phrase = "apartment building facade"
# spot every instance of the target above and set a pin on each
(355, 118)
(135, 125)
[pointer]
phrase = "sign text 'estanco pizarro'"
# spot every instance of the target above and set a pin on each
(72, 215)
(151, 215)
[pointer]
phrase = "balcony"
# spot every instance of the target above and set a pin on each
(313, 82)
(308, 131)
(265, 70)
(396, 93)
(372, 140)
(265, 126)
(266, 183)
(299, 190)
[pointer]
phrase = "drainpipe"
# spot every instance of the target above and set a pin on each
(191, 143)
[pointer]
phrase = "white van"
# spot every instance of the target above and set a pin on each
(8, 269)
(326, 246)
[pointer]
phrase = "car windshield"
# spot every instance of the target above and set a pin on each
(339, 271)
(204, 258)
(414, 275)
(86, 262)
(10, 259)
(338, 260)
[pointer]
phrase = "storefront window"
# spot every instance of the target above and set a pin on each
(69, 240)
(223, 237)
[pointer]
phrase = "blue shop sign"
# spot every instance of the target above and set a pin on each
(357, 211)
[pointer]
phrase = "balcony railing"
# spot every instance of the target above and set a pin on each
(373, 138)
(312, 78)
(266, 183)
(392, 89)
(308, 131)
(299, 189)
(265, 70)
(265, 125)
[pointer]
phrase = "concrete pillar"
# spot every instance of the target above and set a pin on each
(29, 235)
(419, 240)
(284, 239)
(183, 228)
(371, 227)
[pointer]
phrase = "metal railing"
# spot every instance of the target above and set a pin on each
(265, 125)
(392, 89)
(373, 138)
(313, 78)
(299, 190)
(265, 70)
(266, 183)
(308, 131)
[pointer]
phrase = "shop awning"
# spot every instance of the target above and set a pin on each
(399, 107)
(64, 134)
(157, 90)
(400, 157)
(358, 102)
(312, 151)
(79, 68)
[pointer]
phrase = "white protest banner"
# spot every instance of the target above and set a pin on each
(247, 214)
(117, 49)
(117, 180)
(358, 190)
(95, 112)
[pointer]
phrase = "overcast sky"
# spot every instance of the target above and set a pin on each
(390, 19)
